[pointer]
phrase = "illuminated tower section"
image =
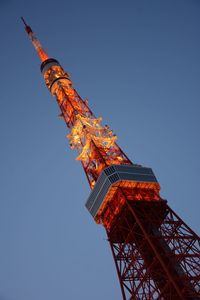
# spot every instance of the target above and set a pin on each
(96, 144)
(157, 256)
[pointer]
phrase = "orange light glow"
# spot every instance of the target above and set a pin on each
(42, 55)
(95, 143)
(115, 198)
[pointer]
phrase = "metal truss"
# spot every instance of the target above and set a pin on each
(157, 255)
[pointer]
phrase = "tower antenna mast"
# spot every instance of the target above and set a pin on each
(36, 43)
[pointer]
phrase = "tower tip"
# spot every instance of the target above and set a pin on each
(24, 21)
(27, 28)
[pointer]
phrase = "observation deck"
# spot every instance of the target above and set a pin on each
(128, 178)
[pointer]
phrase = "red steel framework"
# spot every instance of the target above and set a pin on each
(157, 256)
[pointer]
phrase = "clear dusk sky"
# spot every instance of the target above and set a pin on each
(138, 63)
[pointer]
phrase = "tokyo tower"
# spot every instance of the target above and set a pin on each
(157, 256)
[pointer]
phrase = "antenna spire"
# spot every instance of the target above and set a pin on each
(24, 21)
(27, 27)
(36, 43)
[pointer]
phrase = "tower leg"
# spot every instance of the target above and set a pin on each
(155, 252)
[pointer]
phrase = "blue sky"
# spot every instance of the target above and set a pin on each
(138, 64)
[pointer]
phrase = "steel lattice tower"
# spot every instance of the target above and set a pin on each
(157, 256)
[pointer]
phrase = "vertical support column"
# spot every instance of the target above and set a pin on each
(155, 252)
